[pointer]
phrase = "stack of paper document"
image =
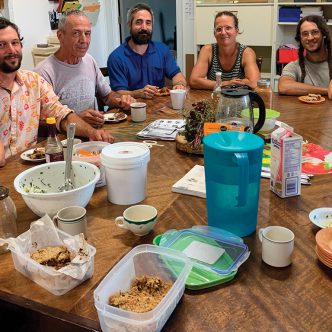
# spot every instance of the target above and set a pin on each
(193, 183)
(163, 129)
(311, 10)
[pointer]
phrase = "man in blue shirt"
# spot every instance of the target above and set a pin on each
(139, 66)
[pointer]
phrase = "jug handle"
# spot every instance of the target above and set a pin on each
(254, 97)
(243, 162)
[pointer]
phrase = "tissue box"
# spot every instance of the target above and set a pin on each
(286, 155)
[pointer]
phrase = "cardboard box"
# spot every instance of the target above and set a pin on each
(286, 154)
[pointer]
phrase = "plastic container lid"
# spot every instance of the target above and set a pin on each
(125, 155)
(263, 83)
(209, 248)
(269, 113)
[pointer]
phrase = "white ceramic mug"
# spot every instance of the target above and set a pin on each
(138, 111)
(64, 145)
(72, 220)
(277, 245)
(177, 97)
(139, 219)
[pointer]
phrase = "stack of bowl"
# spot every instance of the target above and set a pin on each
(324, 246)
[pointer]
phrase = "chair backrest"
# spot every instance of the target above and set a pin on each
(259, 61)
(100, 103)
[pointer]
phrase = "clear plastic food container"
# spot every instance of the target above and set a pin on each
(54, 281)
(142, 260)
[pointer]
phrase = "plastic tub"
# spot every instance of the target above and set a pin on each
(92, 146)
(142, 260)
(54, 281)
(126, 166)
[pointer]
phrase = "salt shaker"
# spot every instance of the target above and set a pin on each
(7, 217)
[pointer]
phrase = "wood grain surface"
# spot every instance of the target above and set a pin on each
(260, 298)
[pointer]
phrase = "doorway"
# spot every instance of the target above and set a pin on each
(164, 27)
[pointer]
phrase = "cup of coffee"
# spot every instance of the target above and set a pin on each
(72, 220)
(138, 111)
(178, 97)
(277, 245)
(139, 219)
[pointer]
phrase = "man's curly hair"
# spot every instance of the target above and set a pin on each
(323, 28)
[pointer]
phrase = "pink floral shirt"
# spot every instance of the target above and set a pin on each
(31, 99)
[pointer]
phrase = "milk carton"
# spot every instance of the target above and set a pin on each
(286, 154)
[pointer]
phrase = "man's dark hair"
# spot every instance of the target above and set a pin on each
(4, 23)
(227, 13)
(323, 28)
(133, 10)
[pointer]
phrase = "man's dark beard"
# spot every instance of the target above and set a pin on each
(6, 68)
(142, 37)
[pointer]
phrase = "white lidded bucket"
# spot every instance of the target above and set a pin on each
(126, 166)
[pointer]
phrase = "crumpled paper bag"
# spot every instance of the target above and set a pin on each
(43, 233)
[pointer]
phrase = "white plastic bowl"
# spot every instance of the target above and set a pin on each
(50, 178)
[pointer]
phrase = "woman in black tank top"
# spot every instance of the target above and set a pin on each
(235, 61)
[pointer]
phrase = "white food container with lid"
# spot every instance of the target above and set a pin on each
(92, 146)
(126, 166)
(169, 265)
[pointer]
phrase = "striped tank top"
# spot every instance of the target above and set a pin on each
(226, 75)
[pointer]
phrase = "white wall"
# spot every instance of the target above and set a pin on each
(32, 19)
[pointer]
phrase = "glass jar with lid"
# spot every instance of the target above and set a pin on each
(265, 91)
(8, 217)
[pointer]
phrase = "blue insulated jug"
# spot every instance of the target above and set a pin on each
(233, 162)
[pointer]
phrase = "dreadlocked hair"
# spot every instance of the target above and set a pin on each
(323, 28)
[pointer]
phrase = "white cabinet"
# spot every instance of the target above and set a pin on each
(253, 34)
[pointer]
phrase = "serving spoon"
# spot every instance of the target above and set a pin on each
(70, 142)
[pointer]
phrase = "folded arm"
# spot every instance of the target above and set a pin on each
(289, 86)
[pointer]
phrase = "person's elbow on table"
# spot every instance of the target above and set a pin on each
(329, 90)
(2, 155)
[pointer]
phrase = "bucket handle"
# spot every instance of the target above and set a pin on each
(242, 160)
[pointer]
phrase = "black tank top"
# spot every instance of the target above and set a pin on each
(235, 72)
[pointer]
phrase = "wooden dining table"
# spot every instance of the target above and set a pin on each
(259, 298)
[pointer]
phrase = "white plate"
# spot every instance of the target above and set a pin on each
(321, 217)
(109, 117)
(25, 156)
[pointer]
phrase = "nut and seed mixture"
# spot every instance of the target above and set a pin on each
(144, 295)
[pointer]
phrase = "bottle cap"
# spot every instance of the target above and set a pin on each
(3, 192)
(265, 83)
(50, 121)
(218, 73)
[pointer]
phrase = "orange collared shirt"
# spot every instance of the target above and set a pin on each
(31, 99)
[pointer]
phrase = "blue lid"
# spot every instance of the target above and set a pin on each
(233, 141)
(210, 248)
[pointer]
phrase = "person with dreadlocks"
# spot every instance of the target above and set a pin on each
(312, 72)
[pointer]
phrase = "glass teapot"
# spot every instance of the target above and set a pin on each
(235, 111)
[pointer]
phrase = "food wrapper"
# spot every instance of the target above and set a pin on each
(43, 233)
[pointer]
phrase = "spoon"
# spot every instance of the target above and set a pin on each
(70, 142)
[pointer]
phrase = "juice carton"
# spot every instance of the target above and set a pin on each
(286, 154)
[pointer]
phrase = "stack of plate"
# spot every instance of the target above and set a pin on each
(324, 246)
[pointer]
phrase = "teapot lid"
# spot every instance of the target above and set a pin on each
(234, 92)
